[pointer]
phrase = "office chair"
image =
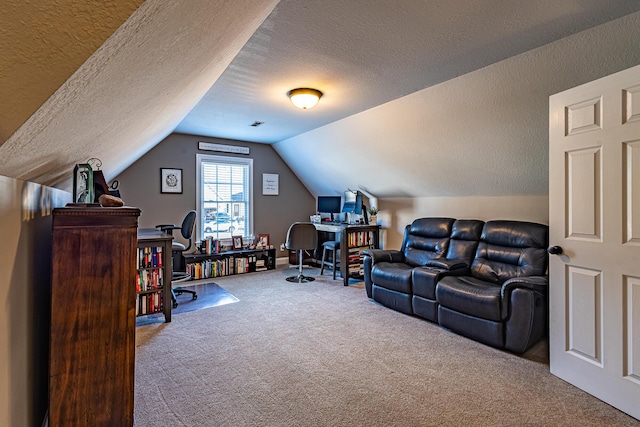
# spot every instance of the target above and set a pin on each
(178, 269)
(300, 237)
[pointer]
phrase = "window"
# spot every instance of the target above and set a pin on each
(225, 195)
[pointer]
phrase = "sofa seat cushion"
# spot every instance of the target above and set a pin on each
(424, 281)
(392, 275)
(469, 295)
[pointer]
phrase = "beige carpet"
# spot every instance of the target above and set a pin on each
(322, 354)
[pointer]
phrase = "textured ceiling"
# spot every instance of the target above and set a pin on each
(234, 62)
(363, 53)
(134, 90)
(42, 43)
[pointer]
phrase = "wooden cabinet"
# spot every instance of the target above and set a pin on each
(92, 341)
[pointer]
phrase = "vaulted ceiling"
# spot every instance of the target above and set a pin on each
(111, 79)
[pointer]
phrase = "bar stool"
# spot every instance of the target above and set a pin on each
(333, 246)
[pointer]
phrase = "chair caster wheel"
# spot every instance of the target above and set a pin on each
(195, 297)
(175, 305)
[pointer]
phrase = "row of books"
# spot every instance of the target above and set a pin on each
(210, 246)
(222, 267)
(147, 280)
(360, 238)
(149, 303)
(149, 257)
(354, 259)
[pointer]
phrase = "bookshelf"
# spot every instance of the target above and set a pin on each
(92, 334)
(206, 266)
(153, 274)
(353, 241)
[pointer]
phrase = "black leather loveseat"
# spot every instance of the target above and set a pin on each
(487, 281)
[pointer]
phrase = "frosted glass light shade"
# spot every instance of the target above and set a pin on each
(304, 98)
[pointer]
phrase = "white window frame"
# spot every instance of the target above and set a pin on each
(248, 233)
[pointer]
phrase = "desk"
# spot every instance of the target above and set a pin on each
(159, 243)
(354, 238)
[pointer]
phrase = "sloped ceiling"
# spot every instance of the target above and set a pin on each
(213, 67)
(134, 90)
(42, 43)
(364, 53)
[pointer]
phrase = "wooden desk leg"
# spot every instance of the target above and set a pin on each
(344, 257)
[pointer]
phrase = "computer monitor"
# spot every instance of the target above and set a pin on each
(352, 202)
(329, 204)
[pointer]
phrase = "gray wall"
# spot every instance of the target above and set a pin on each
(25, 287)
(140, 186)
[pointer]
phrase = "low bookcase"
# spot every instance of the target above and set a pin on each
(153, 275)
(357, 241)
(205, 266)
(354, 239)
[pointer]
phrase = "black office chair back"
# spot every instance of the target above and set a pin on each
(301, 235)
(187, 227)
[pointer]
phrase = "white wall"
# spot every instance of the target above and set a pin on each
(25, 264)
(474, 146)
(482, 134)
(396, 213)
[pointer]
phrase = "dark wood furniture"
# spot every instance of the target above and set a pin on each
(92, 345)
(205, 266)
(153, 278)
(354, 238)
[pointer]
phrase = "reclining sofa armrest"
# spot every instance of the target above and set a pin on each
(384, 255)
(371, 256)
(538, 284)
(446, 264)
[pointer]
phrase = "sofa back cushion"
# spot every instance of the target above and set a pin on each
(425, 239)
(465, 236)
(509, 249)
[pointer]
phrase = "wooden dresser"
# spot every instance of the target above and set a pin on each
(92, 346)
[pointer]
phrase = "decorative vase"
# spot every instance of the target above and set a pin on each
(373, 220)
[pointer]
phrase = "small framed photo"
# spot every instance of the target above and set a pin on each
(236, 242)
(263, 240)
(171, 181)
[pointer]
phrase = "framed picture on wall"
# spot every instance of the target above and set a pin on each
(236, 242)
(263, 240)
(171, 180)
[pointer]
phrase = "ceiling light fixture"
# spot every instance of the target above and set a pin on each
(304, 98)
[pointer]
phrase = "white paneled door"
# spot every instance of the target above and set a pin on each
(594, 218)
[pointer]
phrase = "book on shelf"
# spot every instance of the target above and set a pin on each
(361, 238)
(210, 246)
(149, 303)
(150, 257)
(261, 264)
(228, 265)
(147, 280)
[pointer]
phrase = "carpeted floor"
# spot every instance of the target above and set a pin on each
(322, 354)
(209, 295)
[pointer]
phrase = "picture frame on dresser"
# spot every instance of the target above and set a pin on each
(263, 240)
(236, 242)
